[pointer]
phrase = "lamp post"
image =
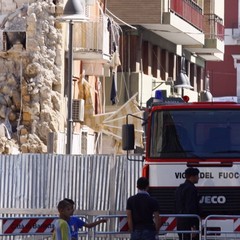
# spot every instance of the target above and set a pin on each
(73, 12)
(70, 66)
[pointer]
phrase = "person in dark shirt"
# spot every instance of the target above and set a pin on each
(143, 213)
(187, 202)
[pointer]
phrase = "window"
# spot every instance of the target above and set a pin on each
(195, 133)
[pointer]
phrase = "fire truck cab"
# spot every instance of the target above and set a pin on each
(202, 134)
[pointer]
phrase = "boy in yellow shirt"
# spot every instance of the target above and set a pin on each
(61, 228)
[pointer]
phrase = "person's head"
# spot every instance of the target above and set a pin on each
(142, 183)
(70, 201)
(192, 174)
(65, 209)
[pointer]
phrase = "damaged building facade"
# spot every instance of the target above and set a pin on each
(33, 75)
(30, 72)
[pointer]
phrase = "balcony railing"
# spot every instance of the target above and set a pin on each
(92, 36)
(189, 11)
(213, 27)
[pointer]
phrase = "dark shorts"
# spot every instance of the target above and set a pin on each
(143, 235)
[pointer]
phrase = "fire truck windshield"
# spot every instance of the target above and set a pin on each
(190, 133)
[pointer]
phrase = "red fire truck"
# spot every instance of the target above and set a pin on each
(205, 135)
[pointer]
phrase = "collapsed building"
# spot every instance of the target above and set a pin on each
(30, 75)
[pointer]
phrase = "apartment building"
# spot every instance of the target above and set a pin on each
(225, 75)
(155, 37)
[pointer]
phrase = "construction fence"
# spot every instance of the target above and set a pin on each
(40, 181)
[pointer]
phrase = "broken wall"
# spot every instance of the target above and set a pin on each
(31, 70)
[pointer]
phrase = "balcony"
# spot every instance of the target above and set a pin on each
(213, 48)
(178, 21)
(91, 41)
(182, 23)
(189, 11)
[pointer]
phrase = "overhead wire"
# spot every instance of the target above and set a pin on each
(120, 19)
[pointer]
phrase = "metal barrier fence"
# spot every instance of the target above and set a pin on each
(211, 228)
(174, 231)
(229, 230)
(31, 226)
(119, 227)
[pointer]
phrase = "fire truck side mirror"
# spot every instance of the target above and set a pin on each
(128, 137)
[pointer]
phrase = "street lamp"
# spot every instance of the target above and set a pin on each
(182, 79)
(73, 12)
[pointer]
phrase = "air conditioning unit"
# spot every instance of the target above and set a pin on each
(78, 110)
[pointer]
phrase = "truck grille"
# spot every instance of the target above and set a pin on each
(218, 200)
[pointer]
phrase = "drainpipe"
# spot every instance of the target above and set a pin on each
(128, 62)
(236, 58)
